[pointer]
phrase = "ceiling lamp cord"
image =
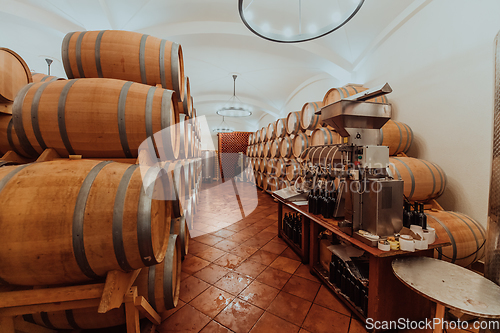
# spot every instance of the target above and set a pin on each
(234, 86)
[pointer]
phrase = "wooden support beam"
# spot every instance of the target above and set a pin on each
(49, 307)
(50, 295)
(131, 312)
(48, 154)
(116, 286)
(11, 156)
(147, 310)
(24, 327)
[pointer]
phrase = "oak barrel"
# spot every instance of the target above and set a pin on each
(267, 149)
(283, 183)
(286, 149)
(293, 123)
(271, 131)
(186, 105)
(263, 134)
(39, 77)
(124, 55)
(14, 74)
(263, 164)
(467, 237)
(272, 183)
(179, 227)
(95, 118)
(325, 136)
(271, 166)
(275, 147)
(71, 221)
(300, 143)
(258, 137)
(308, 119)
(280, 127)
(423, 180)
(397, 136)
(292, 170)
(159, 284)
(336, 94)
(250, 139)
(281, 164)
(8, 136)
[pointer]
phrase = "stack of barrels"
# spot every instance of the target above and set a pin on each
(276, 153)
(127, 200)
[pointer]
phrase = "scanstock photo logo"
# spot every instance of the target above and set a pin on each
(171, 170)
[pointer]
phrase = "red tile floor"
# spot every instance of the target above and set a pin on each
(240, 277)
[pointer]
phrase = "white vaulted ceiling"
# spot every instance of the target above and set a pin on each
(215, 43)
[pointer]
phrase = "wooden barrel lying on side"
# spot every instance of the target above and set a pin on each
(263, 165)
(397, 136)
(96, 215)
(177, 193)
(159, 284)
(300, 143)
(286, 149)
(336, 94)
(39, 77)
(95, 118)
(292, 170)
(283, 183)
(325, 136)
(267, 149)
(258, 179)
(280, 127)
(186, 105)
(272, 183)
(281, 164)
(257, 137)
(275, 147)
(250, 139)
(467, 237)
(309, 120)
(271, 166)
(423, 180)
(8, 136)
(271, 131)
(14, 74)
(124, 55)
(263, 134)
(178, 226)
(293, 123)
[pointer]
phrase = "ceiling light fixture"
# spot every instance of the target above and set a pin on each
(329, 18)
(223, 128)
(232, 108)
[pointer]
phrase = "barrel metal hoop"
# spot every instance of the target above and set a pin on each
(411, 138)
(98, 53)
(78, 221)
(472, 231)
(44, 78)
(168, 287)
(142, 58)
(174, 69)
(61, 116)
(355, 90)
(400, 136)
(17, 117)
(151, 286)
(65, 55)
(46, 320)
(79, 54)
(71, 319)
(452, 239)
(442, 176)
(119, 206)
(29, 318)
(163, 79)
(149, 111)
(122, 102)
(8, 177)
(34, 115)
(433, 177)
(144, 234)
(411, 176)
(407, 145)
(9, 138)
(346, 91)
(53, 79)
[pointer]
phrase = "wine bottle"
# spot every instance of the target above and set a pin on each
(422, 217)
(315, 203)
(310, 197)
(407, 215)
(414, 216)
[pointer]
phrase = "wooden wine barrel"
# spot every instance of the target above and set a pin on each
(186, 106)
(283, 183)
(397, 136)
(293, 123)
(249, 150)
(292, 170)
(336, 94)
(159, 284)
(8, 136)
(271, 131)
(267, 149)
(467, 237)
(326, 157)
(423, 180)
(175, 169)
(280, 128)
(272, 183)
(39, 77)
(286, 148)
(95, 118)
(325, 136)
(258, 179)
(281, 164)
(308, 119)
(189, 143)
(260, 152)
(250, 139)
(263, 134)
(14, 74)
(124, 55)
(263, 181)
(300, 143)
(254, 163)
(257, 137)
(271, 166)
(96, 215)
(275, 148)
(263, 165)
(178, 226)
(183, 139)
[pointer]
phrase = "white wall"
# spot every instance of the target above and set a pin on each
(440, 65)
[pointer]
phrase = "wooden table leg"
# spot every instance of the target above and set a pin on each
(439, 316)
(280, 218)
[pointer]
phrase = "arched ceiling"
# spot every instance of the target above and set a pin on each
(215, 43)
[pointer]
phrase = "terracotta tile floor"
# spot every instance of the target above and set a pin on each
(242, 278)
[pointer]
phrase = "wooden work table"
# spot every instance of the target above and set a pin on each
(388, 298)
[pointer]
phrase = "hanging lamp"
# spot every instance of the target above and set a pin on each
(233, 108)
